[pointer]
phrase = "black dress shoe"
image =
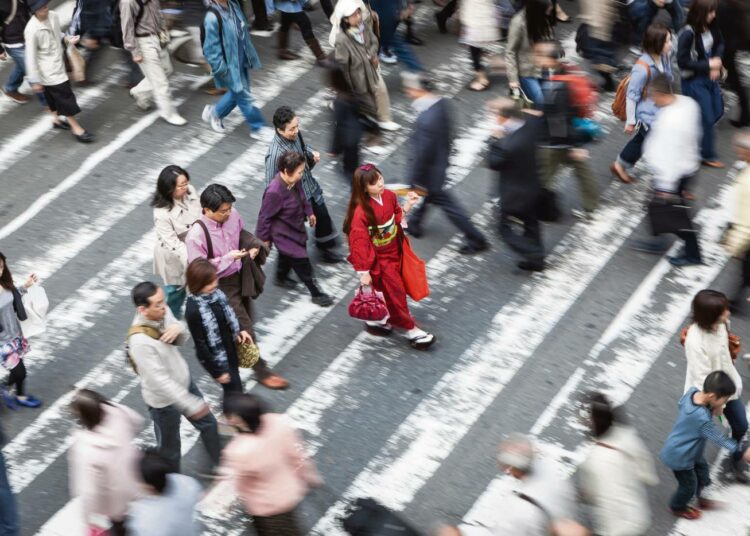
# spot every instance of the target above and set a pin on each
(85, 137)
(330, 256)
(414, 40)
(61, 125)
(531, 266)
(324, 300)
(469, 249)
(287, 283)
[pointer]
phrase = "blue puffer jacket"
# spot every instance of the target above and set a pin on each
(228, 72)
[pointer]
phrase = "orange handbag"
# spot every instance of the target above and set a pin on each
(413, 271)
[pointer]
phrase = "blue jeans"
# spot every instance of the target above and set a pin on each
(404, 52)
(19, 71)
(244, 100)
(708, 96)
(690, 483)
(735, 413)
(533, 89)
(8, 514)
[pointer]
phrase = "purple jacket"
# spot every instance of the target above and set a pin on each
(282, 218)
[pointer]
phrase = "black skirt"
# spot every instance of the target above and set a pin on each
(279, 525)
(60, 99)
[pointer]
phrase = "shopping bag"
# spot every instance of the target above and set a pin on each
(413, 272)
(669, 215)
(36, 304)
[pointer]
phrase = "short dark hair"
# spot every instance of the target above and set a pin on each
(142, 292)
(216, 195)
(661, 84)
(603, 414)
(88, 407)
(698, 14)
(154, 470)
(283, 116)
(165, 186)
(199, 273)
(247, 407)
(720, 384)
(290, 161)
(708, 306)
(654, 38)
(506, 107)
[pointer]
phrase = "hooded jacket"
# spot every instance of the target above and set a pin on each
(14, 14)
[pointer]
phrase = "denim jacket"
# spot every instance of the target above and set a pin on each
(286, 6)
(228, 73)
(644, 109)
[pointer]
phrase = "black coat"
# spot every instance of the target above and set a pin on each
(431, 147)
(12, 33)
(687, 40)
(202, 350)
(514, 156)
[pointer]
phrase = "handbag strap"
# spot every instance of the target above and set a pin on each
(209, 243)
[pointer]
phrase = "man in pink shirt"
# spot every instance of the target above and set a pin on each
(223, 225)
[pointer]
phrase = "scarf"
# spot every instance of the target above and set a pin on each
(358, 33)
(345, 8)
(211, 324)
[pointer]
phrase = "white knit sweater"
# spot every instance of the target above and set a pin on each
(707, 351)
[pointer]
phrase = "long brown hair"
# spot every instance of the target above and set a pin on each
(6, 279)
(698, 14)
(363, 175)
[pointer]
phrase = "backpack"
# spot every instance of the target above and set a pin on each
(115, 32)
(146, 330)
(582, 91)
(216, 13)
(619, 105)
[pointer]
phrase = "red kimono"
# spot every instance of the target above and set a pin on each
(380, 254)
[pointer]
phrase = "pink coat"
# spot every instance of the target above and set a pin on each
(103, 465)
(270, 470)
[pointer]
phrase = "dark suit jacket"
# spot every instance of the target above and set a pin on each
(514, 156)
(431, 147)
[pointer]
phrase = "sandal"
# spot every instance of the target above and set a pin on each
(379, 330)
(61, 125)
(623, 176)
(422, 342)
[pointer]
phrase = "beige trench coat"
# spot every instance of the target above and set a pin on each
(170, 253)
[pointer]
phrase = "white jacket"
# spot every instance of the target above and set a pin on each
(613, 481)
(170, 253)
(44, 51)
(707, 351)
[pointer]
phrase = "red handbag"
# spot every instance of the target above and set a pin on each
(368, 305)
(413, 272)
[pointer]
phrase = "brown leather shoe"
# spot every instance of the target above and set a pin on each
(275, 382)
(286, 54)
(622, 175)
(717, 164)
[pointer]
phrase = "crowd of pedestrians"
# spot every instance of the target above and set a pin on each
(212, 265)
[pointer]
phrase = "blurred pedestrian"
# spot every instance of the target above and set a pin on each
(45, 68)
(374, 221)
(707, 350)
(431, 143)
(616, 472)
(219, 235)
(683, 450)
(214, 326)
(176, 207)
(600, 17)
(732, 16)
(393, 47)
(671, 151)
(529, 26)
(281, 222)
(167, 507)
(512, 152)
(288, 138)
(479, 28)
(348, 125)
(14, 15)
(293, 13)
(13, 345)
(267, 464)
(8, 511)
(700, 47)
(641, 109)
(230, 53)
(166, 385)
(356, 50)
(144, 32)
(102, 460)
(737, 238)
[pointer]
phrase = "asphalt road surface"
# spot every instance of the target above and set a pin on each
(416, 430)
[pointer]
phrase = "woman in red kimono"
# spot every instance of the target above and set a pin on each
(373, 224)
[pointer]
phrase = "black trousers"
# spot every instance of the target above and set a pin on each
(746, 270)
(449, 9)
(259, 10)
(302, 267)
(455, 212)
(300, 19)
(527, 244)
(17, 377)
(735, 84)
(325, 232)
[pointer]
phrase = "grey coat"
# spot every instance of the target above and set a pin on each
(355, 60)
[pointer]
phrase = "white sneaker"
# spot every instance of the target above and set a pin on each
(209, 116)
(263, 134)
(389, 126)
(143, 102)
(388, 58)
(174, 119)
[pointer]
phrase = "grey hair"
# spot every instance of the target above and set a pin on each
(516, 451)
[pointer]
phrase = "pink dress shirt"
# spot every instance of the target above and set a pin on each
(225, 237)
(270, 470)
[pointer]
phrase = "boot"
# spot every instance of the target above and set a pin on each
(321, 60)
(284, 52)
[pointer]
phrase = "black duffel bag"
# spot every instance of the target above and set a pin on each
(367, 517)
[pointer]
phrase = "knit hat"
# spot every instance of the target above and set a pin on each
(36, 5)
(345, 8)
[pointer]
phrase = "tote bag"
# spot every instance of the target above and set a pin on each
(413, 272)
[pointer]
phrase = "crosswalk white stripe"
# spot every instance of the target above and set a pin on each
(636, 337)
(412, 454)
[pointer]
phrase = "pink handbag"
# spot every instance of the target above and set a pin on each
(368, 305)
